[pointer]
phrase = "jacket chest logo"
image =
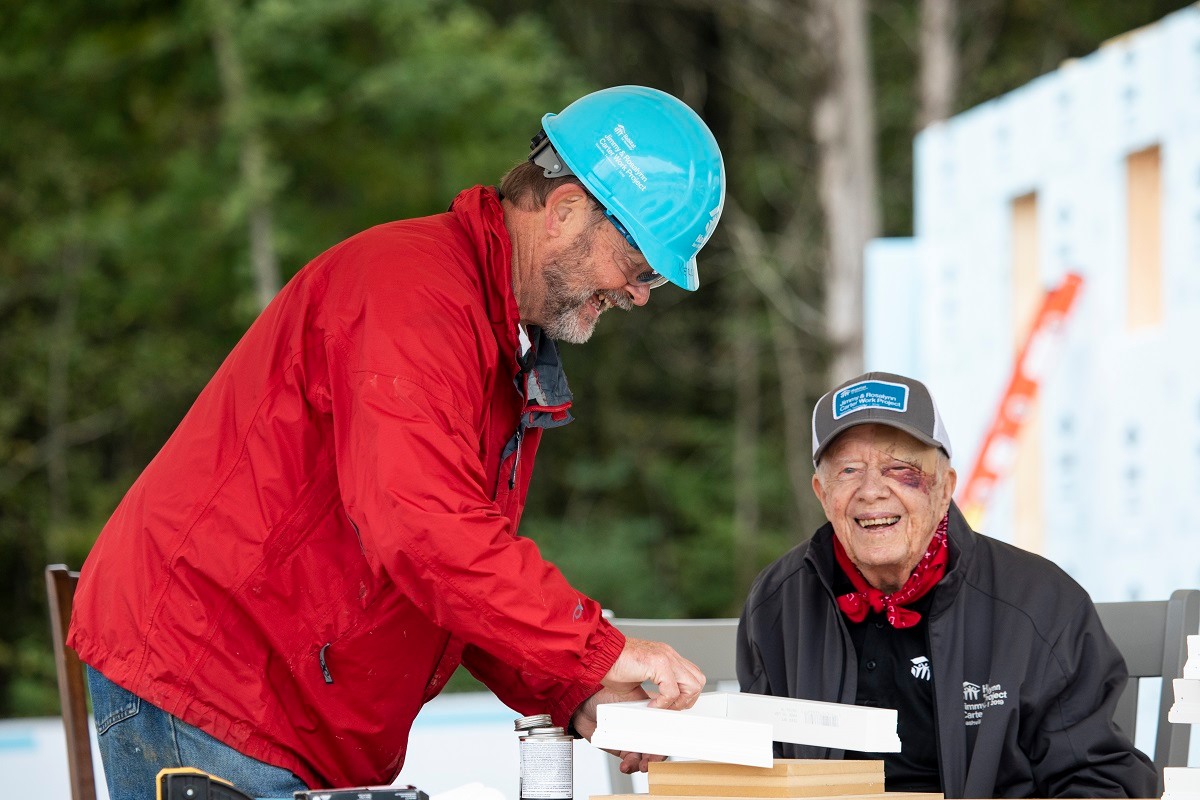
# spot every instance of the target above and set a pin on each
(977, 697)
(920, 668)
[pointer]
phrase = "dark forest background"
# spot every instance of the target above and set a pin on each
(165, 166)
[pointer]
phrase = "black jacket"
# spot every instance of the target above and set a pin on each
(1016, 649)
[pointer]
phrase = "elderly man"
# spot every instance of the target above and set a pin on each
(332, 528)
(1003, 678)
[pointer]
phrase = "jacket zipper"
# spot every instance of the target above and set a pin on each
(512, 478)
(937, 721)
(324, 666)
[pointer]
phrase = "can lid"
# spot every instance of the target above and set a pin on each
(552, 730)
(533, 721)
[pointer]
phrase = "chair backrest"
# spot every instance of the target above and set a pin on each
(1152, 637)
(710, 644)
(72, 689)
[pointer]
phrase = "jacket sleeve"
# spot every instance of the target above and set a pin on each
(407, 372)
(526, 692)
(1075, 748)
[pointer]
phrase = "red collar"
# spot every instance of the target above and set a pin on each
(925, 576)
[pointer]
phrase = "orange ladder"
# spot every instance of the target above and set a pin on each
(999, 448)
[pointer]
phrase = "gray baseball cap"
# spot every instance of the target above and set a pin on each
(881, 398)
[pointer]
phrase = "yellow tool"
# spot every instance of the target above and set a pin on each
(189, 783)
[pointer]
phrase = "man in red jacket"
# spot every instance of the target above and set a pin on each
(332, 528)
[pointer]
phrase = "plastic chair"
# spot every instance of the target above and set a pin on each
(1151, 635)
(72, 688)
(710, 644)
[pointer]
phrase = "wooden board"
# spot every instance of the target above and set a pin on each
(781, 767)
(876, 796)
(855, 789)
(786, 778)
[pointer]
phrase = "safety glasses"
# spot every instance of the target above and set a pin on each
(649, 278)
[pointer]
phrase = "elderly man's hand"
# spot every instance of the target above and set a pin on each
(679, 681)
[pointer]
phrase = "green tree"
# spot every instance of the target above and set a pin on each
(125, 264)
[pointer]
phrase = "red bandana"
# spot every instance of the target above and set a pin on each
(925, 576)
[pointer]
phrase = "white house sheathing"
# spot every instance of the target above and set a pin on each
(1109, 481)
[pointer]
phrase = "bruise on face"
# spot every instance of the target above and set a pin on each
(884, 492)
(910, 475)
(896, 455)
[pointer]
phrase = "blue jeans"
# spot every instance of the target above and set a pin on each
(138, 739)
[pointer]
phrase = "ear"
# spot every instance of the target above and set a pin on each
(818, 489)
(566, 209)
(948, 485)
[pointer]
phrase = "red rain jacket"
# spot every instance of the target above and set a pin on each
(332, 527)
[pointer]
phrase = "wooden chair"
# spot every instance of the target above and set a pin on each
(710, 644)
(72, 688)
(1151, 635)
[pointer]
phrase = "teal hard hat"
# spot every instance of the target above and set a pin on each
(653, 164)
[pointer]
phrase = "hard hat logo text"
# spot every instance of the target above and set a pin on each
(616, 155)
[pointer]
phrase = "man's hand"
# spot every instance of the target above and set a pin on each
(679, 681)
(584, 721)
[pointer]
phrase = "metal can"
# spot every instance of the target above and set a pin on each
(547, 760)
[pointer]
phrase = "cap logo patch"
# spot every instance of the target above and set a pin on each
(870, 394)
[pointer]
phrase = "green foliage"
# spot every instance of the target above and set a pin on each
(34, 689)
(124, 274)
